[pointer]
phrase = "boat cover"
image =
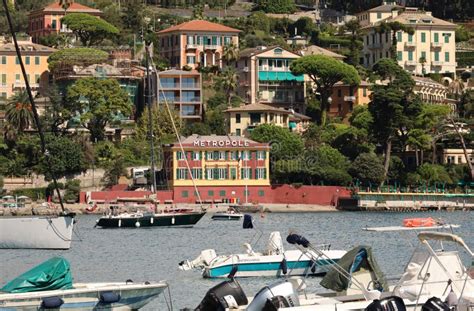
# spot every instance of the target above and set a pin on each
(355, 259)
(52, 274)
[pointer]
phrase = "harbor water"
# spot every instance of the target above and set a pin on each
(153, 254)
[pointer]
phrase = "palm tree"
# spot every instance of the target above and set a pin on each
(394, 27)
(230, 53)
(18, 113)
(228, 83)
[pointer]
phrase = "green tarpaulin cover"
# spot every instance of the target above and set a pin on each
(52, 274)
(355, 259)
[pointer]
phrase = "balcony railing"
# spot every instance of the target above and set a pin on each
(349, 98)
(21, 84)
(185, 85)
(271, 68)
(191, 100)
(437, 63)
(211, 47)
(165, 85)
(436, 45)
(410, 44)
(245, 69)
(411, 63)
(169, 99)
(192, 46)
(375, 45)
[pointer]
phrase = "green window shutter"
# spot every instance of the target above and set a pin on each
(227, 155)
(399, 36)
(265, 173)
(410, 38)
(446, 39)
(436, 56)
(446, 56)
(423, 37)
(399, 55)
(205, 173)
(216, 173)
(410, 55)
(423, 54)
(241, 173)
(436, 37)
(216, 155)
(206, 155)
(200, 155)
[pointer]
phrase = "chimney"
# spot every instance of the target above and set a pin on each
(394, 13)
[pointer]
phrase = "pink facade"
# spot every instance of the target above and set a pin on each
(279, 194)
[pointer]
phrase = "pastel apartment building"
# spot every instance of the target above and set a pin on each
(35, 59)
(377, 14)
(244, 119)
(183, 91)
(345, 97)
(47, 20)
(431, 49)
(196, 43)
(265, 77)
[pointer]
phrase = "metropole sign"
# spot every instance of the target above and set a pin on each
(221, 143)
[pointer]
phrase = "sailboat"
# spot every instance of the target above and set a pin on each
(168, 218)
(38, 232)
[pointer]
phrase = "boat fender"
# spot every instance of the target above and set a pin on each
(120, 223)
(230, 302)
(128, 281)
(452, 299)
(284, 266)
(275, 303)
(109, 297)
(51, 302)
(147, 283)
(137, 224)
(151, 220)
(312, 264)
(172, 221)
(389, 303)
(435, 304)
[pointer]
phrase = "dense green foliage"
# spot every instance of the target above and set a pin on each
(76, 56)
(276, 6)
(89, 29)
(98, 102)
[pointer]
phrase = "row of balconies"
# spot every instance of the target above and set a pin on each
(194, 46)
(378, 45)
(415, 63)
(177, 99)
(182, 86)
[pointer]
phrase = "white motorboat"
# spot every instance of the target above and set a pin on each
(49, 286)
(433, 279)
(230, 214)
(275, 261)
(40, 232)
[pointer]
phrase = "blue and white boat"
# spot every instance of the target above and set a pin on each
(274, 261)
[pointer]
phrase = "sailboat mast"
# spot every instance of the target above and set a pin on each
(246, 178)
(33, 105)
(149, 103)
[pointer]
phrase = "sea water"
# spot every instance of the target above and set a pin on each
(153, 254)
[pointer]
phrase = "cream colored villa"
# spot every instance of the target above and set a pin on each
(265, 77)
(431, 49)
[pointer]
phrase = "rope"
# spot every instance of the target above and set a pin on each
(176, 132)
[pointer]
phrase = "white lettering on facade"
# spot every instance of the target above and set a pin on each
(221, 143)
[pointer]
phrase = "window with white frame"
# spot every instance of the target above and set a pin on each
(261, 155)
(209, 173)
(221, 155)
(197, 173)
(234, 155)
(181, 173)
(246, 173)
(245, 155)
(180, 155)
(260, 173)
(222, 173)
(196, 155)
(210, 155)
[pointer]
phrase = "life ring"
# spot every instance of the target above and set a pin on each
(419, 222)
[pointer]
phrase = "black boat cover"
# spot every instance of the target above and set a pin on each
(355, 259)
(52, 274)
(247, 224)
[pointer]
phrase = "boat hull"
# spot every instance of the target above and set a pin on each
(255, 266)
(247, 208)
(226, 217)
(87, 297)
(159, 220)
(36, 232)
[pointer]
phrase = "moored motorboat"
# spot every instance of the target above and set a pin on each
(275, 261)
(230, 214)
(36, 232)
(50, 286)
(141, 219)
(247, 208)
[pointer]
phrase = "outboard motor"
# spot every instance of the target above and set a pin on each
(227, 294)
(392, 303)
(435, 304)
(277, 295)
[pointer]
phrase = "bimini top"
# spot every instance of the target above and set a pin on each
(442, 236)
(52, 274)
(355, 259)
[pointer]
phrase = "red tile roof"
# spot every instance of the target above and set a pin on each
(73, 8)
(199, 25)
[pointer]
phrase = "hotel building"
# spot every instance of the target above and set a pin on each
(265, 77)
(221, 166)
(47, 20)
(183, 91)
(35, 59)
(431, 49)
(196, 43)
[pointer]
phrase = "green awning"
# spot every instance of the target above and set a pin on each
(292, 125)
(279, 76)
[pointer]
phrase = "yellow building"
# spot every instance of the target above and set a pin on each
(218, 161)
(431, 49)
(345, 97)
(35, 59)
(378, 13)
